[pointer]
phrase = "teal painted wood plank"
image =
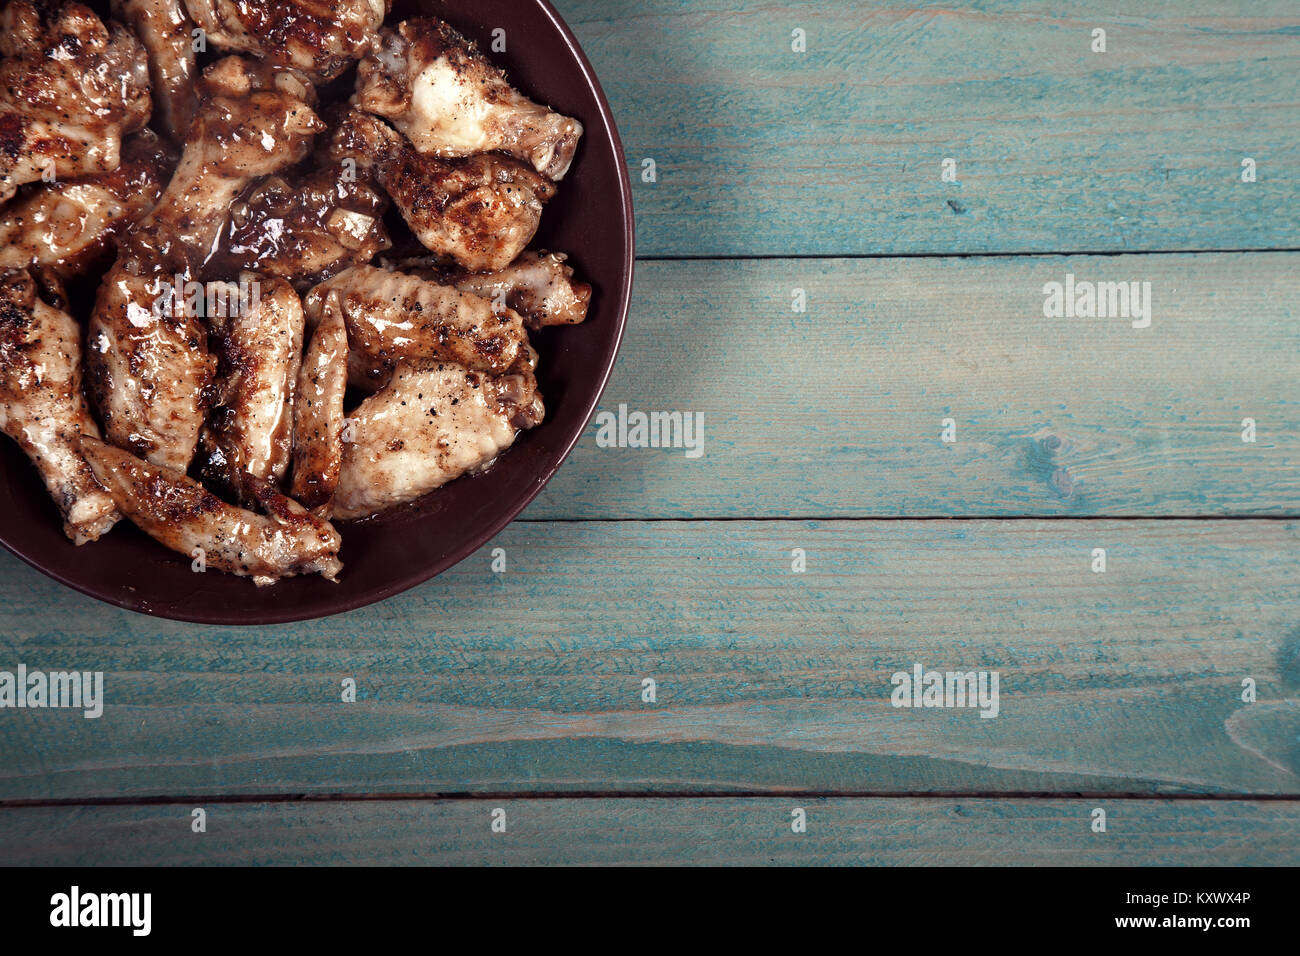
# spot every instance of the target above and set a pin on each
(838, 412)
(838, 150)
(728, 831)
(1129, 681)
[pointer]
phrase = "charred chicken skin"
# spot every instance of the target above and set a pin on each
(71, 89)
(320, 38)
(480, 211)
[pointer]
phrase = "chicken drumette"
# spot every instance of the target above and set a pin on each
(147, 366)
(318, 411)
(538, 285)
(437, 88)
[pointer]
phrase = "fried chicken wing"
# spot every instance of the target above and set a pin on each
(178, 513)
(304, 230)
(318, 413)
(392, 317)
(41, 406)
(252, 122)
(148, 364)
(426, 427)
(538, 285)
(167, 34)
(257, 340)
(438, 89)
(319, 37)
(147, 367)
(66, 229)
(70, 90)
(481, 211)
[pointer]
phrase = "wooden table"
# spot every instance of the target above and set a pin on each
(823, 171)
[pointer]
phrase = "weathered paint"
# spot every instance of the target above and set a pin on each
(1127, 682)
(837, 412)
(839, 150)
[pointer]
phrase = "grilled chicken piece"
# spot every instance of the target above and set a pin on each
(539, 286)
(392, 317)
(41, 406)
(319, 37)
(70, 90)
(65, 229)
(180, 514)
(258, 346)
(427, 426)
(22, 30)
(252, 122)
(147, 360)
(147, 366)
(304, 230)
(481, 211)
(437, 88)
(167, 34)
(318, 413)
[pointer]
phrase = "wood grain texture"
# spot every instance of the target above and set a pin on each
(837, 412)
(530, 682)
(1123, 682)
(755, 832)
(837, 151)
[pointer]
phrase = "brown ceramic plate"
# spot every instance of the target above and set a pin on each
(590, 219)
